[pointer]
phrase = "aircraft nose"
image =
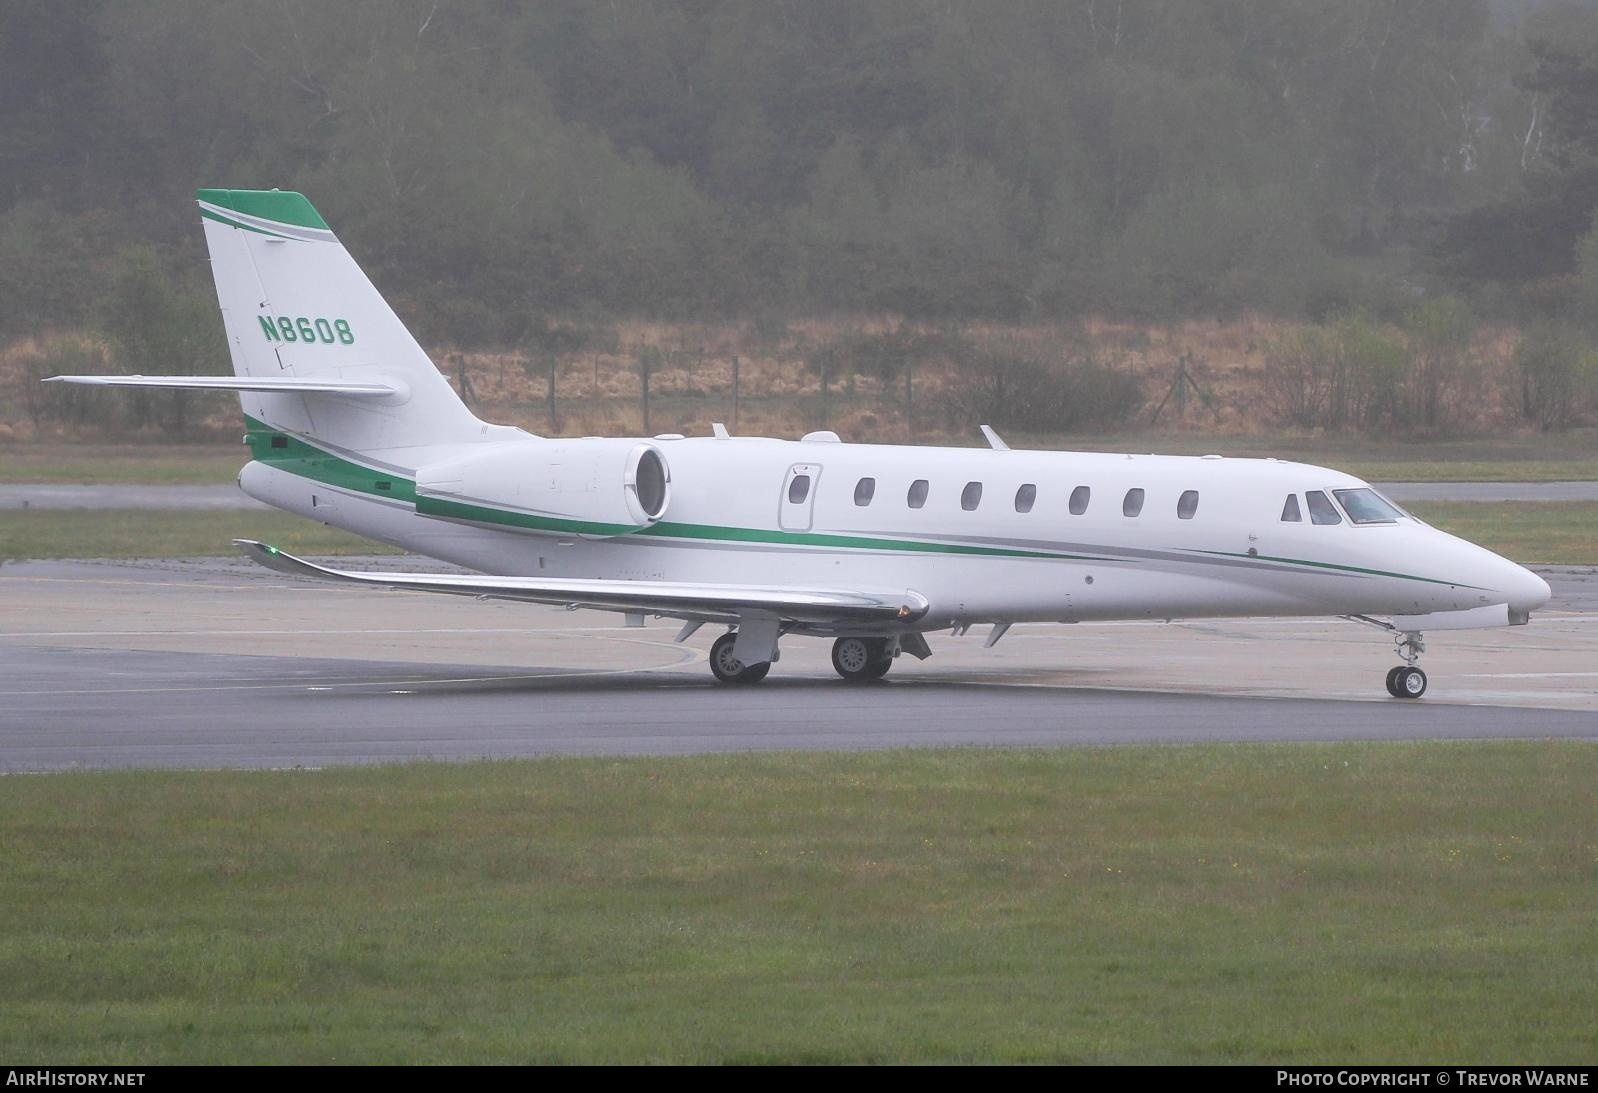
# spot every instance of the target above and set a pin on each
(1524, 590)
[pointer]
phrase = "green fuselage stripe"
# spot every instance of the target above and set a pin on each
(1335, 566)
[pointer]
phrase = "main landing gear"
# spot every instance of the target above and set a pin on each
(860, 659)
(1406, 680)
(727, 668)
(856, 660)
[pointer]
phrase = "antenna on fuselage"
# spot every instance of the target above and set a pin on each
(719, 430)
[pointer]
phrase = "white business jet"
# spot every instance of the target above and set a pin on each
(873, 546)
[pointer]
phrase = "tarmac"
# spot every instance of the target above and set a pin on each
(217, 663)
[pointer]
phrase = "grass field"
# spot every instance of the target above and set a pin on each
(1384, 903)
(1561, 532)
(122, 464)
(165, 533)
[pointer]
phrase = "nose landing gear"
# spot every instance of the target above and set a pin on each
(1406, 680)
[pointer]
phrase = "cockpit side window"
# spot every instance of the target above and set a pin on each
(1321, 509)
(1290, 513)
(1366, 506)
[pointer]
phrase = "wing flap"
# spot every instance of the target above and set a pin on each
(285, 384)
(679, 599)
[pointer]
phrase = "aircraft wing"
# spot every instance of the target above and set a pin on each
(710, 602)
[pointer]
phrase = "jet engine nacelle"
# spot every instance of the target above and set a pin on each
(596, 488)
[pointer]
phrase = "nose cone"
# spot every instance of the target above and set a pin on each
(1522, 589)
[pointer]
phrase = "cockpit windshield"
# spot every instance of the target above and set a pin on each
(1366, 506)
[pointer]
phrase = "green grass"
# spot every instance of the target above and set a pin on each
(1564, 532)
(1533, 457)
(165, 533)
(1382, 903)
(58, 463)
(1537, 470)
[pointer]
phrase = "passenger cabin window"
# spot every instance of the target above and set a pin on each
(1026, 497)
(1368, 507)
(1079, 500)
(1321, 509)
(864, 491)
(798, 489)
(971, 496)
(1132, 503)
(1290, 513)
(918, 494)
(1187, 505)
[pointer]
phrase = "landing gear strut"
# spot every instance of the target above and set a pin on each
(727, 668)
(859, 659)
(1406, 680)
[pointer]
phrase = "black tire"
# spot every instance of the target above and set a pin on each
(1410, 682)
(729, 669)
(857, 659)
(1392, 681)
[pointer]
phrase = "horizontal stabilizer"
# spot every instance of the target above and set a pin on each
(283, 384)
(682, 600)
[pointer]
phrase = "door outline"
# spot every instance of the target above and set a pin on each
(800, 516)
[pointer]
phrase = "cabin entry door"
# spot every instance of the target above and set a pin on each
(798, 501)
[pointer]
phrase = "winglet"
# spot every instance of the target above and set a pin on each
(273, 558)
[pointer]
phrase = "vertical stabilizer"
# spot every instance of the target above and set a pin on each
(295, 304)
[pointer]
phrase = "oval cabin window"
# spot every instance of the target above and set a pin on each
(1132, 503)
(798, 489)
(971, 496)
(1079, 500)
(918, 494)
(1026, 497)
(1187, 505)
(864, 491)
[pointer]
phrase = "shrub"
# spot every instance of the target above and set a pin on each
(1556, 376)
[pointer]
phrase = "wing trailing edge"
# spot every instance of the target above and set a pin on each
(673, 598)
